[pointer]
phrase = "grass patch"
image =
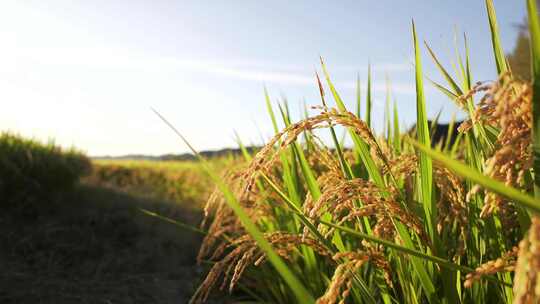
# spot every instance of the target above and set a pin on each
(175, 181)
(32, 171)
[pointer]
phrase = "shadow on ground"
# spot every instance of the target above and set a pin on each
(93, 245)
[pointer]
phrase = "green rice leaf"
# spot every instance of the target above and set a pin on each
(347, 171)
(422, 129)
(431, 258)
(496, 186)
(450, 132)
(534, 29)
(457, 90)
(468, 78)
(368, 97)
(174, 222)
(397, 132)
(387, 125)
(358, 97)
(270, 111)
(444, 90)
(307, 172)
(243, 149)
(498, 50)
(360, 145)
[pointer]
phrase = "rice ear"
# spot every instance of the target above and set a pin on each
(527, 279)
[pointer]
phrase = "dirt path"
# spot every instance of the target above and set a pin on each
(95, 246)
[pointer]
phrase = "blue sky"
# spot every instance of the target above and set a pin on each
(87, 72)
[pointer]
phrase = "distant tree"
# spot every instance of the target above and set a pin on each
(519, 59)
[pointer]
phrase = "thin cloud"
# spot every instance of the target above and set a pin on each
(401, 88)
(378, 67)
(249, 70)
(290, 77)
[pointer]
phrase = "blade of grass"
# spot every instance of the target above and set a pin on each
(360, 145)
(534, 30)
(433, 125)
(426, 178)
(457, 90)
(347, 171)
(270, 111)
(468, 76)
(243, 149)
(174, 222)
(368, 97)
(450, 132)
(397, 131)
(387, 125)
(309, 176)
(418, 266)
(496, 186)
(358, 97)
(289, 169)
(444, 90)
(422, 129)
(461, 73)
(500, 59)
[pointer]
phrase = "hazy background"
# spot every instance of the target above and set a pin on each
(87, 72)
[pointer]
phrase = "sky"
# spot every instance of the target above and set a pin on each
(87, 73)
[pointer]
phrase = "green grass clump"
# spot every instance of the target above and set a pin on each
(31, 170)
(394, 218)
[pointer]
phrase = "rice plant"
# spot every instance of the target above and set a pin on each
(394, 218)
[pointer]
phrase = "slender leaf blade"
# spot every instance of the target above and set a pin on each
(498, 51)
(534, 29)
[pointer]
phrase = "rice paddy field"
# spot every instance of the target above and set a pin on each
(178, 181)
(392, 217)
